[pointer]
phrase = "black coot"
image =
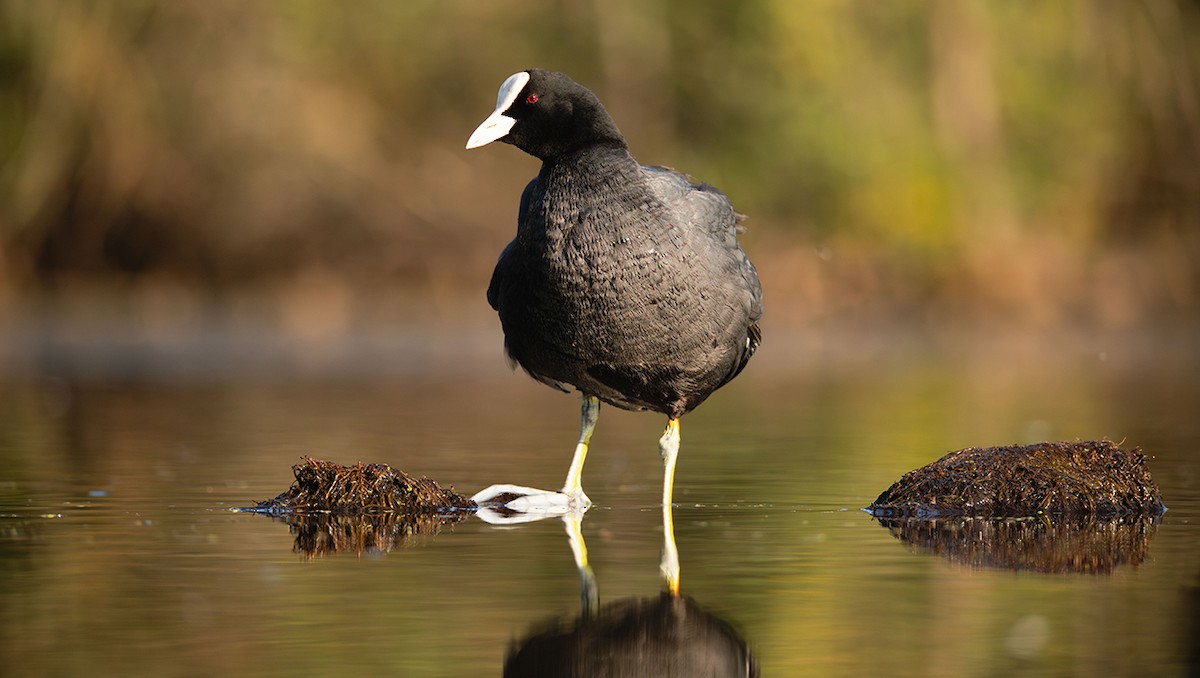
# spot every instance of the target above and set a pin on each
(624, 281)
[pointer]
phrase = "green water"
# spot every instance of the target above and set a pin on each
(119, 554)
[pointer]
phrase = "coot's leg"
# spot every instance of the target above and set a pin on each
(668, 446)
(573, 487)
(506, 504)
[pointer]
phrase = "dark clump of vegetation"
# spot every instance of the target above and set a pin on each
(361, 508)
(1055, 546)
(362, 489)
(1055, 479)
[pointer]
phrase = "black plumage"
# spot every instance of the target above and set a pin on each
(624, 281)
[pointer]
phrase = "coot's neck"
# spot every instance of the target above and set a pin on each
(594, 162)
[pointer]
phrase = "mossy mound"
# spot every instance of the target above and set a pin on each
(1094, 478)
(362, 489)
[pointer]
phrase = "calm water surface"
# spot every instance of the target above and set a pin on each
(119, 554)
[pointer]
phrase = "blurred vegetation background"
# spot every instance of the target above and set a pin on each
(301, 163)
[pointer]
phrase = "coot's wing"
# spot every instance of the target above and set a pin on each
(695, 204)
(706, 207)
(493, 292)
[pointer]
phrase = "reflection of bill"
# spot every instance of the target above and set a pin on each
(1042, 544)
(667, 635)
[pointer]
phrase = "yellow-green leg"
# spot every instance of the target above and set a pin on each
(508, 504)
(573, 487)
(668, 447)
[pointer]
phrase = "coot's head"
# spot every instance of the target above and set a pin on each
(546, 114)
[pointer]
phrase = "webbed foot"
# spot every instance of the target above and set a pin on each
(511, 504)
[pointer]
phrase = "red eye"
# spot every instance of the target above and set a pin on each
(532, 98)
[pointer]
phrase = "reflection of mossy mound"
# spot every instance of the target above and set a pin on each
(326, 487)
(1085, 478)
(322, 534)
(1055, 546)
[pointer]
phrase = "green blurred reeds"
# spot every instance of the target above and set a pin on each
(1016, 160)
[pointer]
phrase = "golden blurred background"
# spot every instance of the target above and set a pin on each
(300, 165)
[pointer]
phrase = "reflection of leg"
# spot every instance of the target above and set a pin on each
(588, 594)
(573, 487)
(668, 446)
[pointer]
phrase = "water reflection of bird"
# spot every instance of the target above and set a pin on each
(659, 637)
(625, 282)
(669, 635)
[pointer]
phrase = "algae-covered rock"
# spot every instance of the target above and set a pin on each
(1094, 478)
(323, 486)
(363, 508)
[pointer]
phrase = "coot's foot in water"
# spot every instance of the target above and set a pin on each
(504, 503)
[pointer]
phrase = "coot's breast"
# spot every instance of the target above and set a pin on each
(626, 284)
